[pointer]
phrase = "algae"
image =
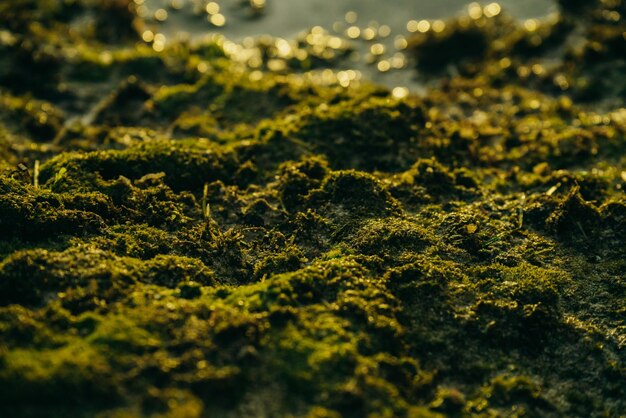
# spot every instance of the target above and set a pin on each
(204, 242)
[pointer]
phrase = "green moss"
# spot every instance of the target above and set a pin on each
(62, 376)
(187, 165)
(25, 210)
(211, 244)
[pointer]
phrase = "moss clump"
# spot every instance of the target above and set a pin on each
(573, 215)
(353, 194)
(33, 277)
(186, 166)
(25, 210)
(203, 243)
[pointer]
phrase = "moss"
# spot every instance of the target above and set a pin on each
(39, 120)
(355, 194)
(381, 133)
(168, 100)
(206, 244)
(102, 277)
(188, 165)
(572, 216)
(502, 388)
(388, 238)
(48, 274)
(299, 179)
(77, 372)
(125, 105)
(25, 210)
(462, 42)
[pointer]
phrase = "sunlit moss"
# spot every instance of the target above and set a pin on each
(203, 240)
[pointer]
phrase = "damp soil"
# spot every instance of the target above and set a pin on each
(183, 236)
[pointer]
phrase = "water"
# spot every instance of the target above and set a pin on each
(287, 18)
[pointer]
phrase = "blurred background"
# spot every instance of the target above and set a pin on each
(79, 56)
(369, 38)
